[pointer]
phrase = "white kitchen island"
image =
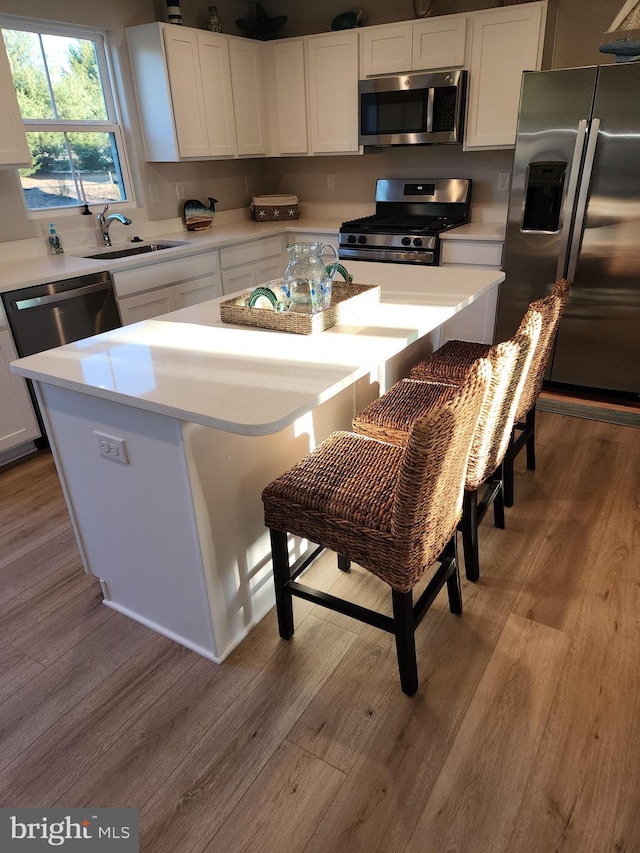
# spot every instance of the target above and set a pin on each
(196, 417)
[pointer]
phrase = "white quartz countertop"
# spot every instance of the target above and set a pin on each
(44, 268)
(189, 365)
(489, 231)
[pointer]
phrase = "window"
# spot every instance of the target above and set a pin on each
(66, 101)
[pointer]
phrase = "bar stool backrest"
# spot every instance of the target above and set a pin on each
(510, 362)
(551, 309)
(428, 498)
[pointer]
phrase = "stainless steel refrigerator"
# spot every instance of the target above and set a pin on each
(574, 211)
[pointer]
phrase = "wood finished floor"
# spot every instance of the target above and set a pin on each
(524, 735)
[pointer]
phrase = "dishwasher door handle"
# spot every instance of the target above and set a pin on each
(51, 299)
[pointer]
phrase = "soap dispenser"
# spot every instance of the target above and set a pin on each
(54, 241)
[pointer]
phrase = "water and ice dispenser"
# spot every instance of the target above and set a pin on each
(543, 197)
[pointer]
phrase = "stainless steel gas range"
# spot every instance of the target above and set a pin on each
(410, 215)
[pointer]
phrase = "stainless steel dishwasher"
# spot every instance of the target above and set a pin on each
(49, 315)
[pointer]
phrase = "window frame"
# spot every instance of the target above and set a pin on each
(113, 123)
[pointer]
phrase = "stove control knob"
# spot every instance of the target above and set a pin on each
(351, 238)
(417, 241)
(406, 241)
(362, 239)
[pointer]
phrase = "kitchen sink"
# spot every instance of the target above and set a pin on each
(141, 249)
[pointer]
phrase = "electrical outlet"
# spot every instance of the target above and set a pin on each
(248, 184)
(154, 195)
(111, 447)
(331, 182)
(179, 190)
(504, 182)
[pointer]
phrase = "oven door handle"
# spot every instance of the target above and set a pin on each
(51, 299)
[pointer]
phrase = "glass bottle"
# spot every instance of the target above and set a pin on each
(214, 24)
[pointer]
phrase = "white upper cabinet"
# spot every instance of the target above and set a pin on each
(185, 78)
(425, 45)
(199, 93)
(439, 43)
(504, 43)
(385, 50)
(13, 142)
(332, 64)
(213, 50)
(289, 92)
(245, 58)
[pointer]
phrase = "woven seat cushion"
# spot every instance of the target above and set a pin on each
(451, 362)
(347, 476)
(390, 417)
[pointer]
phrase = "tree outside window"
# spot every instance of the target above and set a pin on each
(65, 99)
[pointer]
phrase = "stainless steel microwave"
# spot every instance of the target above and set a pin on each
(412, 109)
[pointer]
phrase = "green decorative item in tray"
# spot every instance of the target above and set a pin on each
(347, 299)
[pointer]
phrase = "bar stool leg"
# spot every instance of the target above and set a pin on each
(469, 526)
(531, 440)
(454, 589)
(281, 575)
(498, 501)
(507, 471)
(405, 640)
(344, 563)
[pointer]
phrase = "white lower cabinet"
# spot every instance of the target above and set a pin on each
(314, 237)
(18, 423)
(474, 323)
(144, 306)
(248, 265)
(154, 303)
(155, 289)
(471, 253)
(477, 321)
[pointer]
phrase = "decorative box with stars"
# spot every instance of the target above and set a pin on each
(271, 208)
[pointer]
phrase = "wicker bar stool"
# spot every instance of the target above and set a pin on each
(393, 510)
(448, 364)
(391, 416)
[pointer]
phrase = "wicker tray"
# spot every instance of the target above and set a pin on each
(346, 300)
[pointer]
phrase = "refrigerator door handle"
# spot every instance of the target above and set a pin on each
(572, 187)
(581, 208)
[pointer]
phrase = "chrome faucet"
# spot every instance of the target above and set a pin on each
(105, 222)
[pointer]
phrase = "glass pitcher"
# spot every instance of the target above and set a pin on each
(306, 282)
